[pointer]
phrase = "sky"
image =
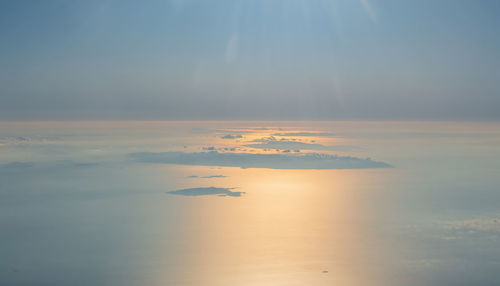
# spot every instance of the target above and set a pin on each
(260, 59)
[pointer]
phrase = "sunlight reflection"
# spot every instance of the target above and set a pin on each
(290, 227)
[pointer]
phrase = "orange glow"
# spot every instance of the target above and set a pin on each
(284, 231)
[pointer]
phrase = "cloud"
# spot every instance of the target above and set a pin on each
(208, 177)
(270, 161)
(230, 136)
(272, 143)
(23, 140)
(14, 141)
(210, 191)
(214, 176)
(311, 134)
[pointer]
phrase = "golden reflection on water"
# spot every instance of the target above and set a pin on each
(289, 229)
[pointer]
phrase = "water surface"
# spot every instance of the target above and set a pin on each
(403, 203)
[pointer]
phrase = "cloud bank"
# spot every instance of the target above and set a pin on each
(273, 143)
(270, 161)
(210, 191)
(207, 177)
(231, 136)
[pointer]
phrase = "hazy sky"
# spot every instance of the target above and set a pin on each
(261, 59)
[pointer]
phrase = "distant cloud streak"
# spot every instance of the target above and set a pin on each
(210, 191)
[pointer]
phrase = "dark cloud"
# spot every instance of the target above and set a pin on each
(271, 161)
(230, 136)
(210, 191)
(214, 176)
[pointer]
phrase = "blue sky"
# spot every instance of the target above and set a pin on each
(262, 59)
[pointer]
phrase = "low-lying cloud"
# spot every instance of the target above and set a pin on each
(231, 136)
(270, 161)
(24, 140)
(208, 177)
(210, 191)
(273, 143)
